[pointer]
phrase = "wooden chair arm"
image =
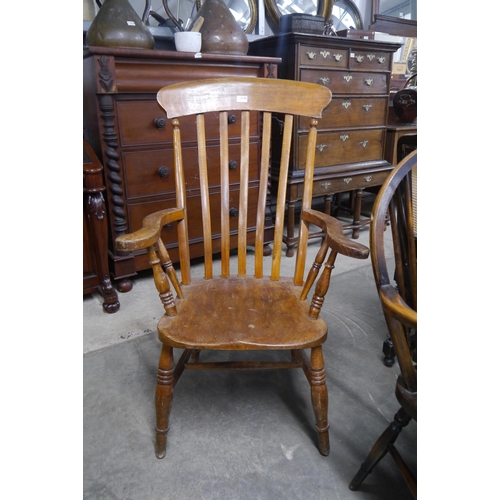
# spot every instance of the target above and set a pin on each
(334, 234)
(150, 232)
(394, 304)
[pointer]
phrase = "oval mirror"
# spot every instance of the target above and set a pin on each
(277, 8)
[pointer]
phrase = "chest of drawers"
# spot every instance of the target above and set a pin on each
(351, 134)
(132, 136)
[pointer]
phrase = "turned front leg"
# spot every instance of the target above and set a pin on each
(319, 397)
(163, 399)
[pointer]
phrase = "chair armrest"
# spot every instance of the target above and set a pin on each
(334, 234)
(150, 232)
(394, 304)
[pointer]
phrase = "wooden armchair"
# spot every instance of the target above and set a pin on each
(397, 197)
(242, 311)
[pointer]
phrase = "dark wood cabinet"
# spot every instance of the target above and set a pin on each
(352, 132)
(131, 134)
(95, 232)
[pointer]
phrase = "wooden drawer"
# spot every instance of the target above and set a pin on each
(369, 60)
(345, 182)
(351, 112)
(145, 122)
(327, 57)
(137, 212)
(347, 82)
(145, 173)
(337, 148)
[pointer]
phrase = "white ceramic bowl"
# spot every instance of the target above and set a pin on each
(187, 41)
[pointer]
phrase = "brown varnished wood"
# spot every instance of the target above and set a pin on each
(398, 294)
(132, 137)
(306, 202)
(352, 129)
(280, 197)
(205, 199)
(166, 263)
(243, 207)
(242, 314)
(261, 208)
(238, 311)
(96, 275)
(224, 187)
(224, 94)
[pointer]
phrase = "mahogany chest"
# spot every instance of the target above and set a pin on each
(131, 135)
(351, 133)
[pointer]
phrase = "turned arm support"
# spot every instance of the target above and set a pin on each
(150, 232)
(334, 234)
(338, 244)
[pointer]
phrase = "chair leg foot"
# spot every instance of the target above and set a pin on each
(389, 353)
(324, 441)
(319, 397)
(163, 398)
(161, 443)
(358, 479)
(380, 448)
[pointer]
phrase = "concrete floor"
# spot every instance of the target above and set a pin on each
(239, 436)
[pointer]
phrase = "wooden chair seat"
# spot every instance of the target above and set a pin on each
(242, 313)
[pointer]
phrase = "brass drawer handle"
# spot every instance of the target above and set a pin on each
(326, 185)
(364, 144)
(368, 178)
(160, 122)
(359, 58)
(369, 81)
(381, 60)
(367, 107)
(371, 57)
(324, 80)
(163, 172)
(337, 57)
(311, 55)
(320, 147)
(347, 78)
(346, 104)
(347, 180)
(344, 137)
(325, 53)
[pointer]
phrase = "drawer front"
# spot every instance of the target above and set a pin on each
(137, 212)
(351, 112)
(347, 82)
(330, 58)
(369, 60)
(145, 122)
(151, 173)
(345, 182)
(337, 148)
